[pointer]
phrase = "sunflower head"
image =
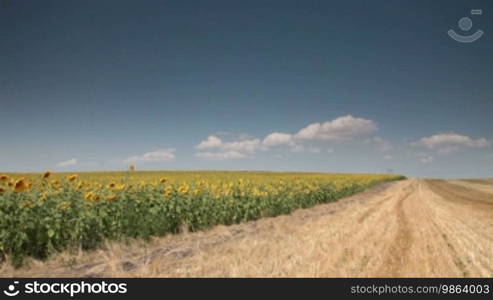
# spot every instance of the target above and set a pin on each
(168, 191)
(131, 167)
(4, 178)
(163, 180)
(20, 185)
(73, 177)
(120, 187)
(46, 174)
(64, 206)
(79, 186)
(2, 190)
(43, 196)
(112, 197)
(183, 189)
(89, 196)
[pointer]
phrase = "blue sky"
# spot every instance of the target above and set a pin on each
(333, 86)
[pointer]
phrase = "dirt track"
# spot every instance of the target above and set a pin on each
(412, 228)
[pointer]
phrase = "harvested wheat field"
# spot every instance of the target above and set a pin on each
(410, 228)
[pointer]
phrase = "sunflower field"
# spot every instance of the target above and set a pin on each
(45, 213)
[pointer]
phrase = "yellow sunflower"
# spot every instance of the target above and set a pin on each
(88, 196)
(64, 206)
(73, 177)
(20, 185)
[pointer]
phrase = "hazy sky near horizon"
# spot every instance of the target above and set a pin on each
(332, 86)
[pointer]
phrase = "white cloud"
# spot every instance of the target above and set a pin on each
(448, 142)
(221, 155)
(300, 148)
(314, 150)
(249, 146)
(278, 138)
(426, 159)
(297, 148)
(211, 142)
(227, 150)
(162, 155)
(338, 129)
(382, 145)
(67, 163)
(341, 128)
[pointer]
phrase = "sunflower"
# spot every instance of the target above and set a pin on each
(168, 191)
(163, 180)
(20, 185)
(43, 196)
(64, 206)
(73, 177)
(183, 189)
(112, 198)
(2, 190)
(120, 187)
(112, 185)
(88, 196)
(79, 186)
(131, 167)
(4, 178)
(46, 174)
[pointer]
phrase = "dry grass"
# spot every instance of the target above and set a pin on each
(485, 186)
(410, 228)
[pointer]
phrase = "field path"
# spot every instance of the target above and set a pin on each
(411, 228)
